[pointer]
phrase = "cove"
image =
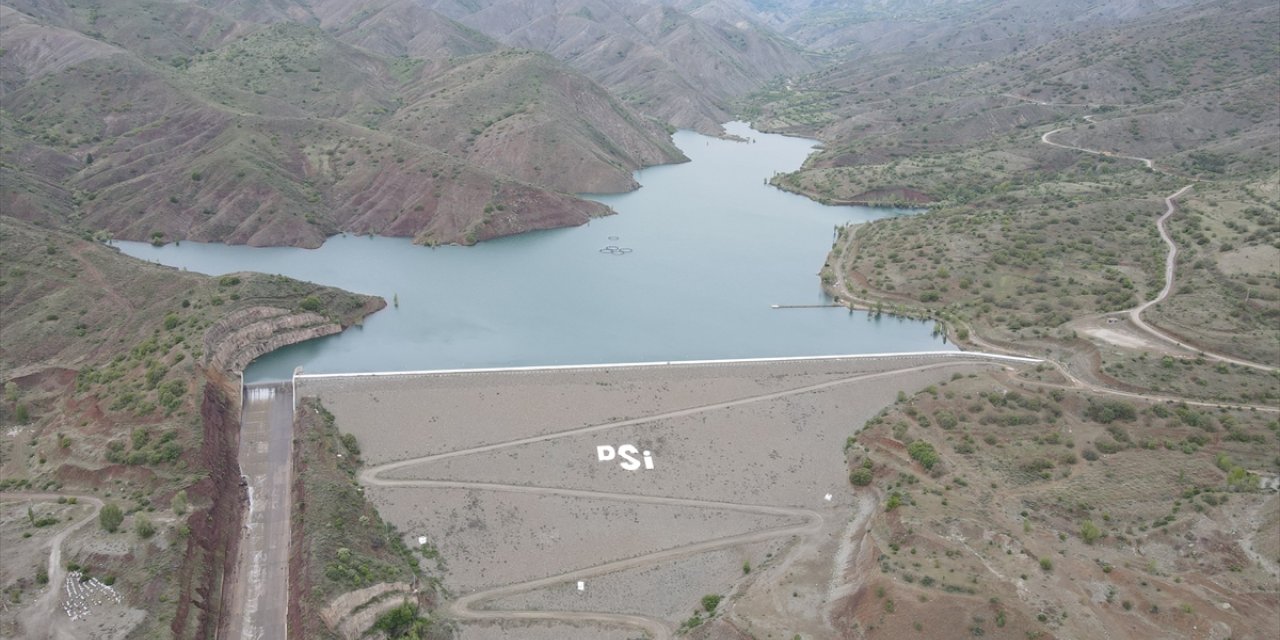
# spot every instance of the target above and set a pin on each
(688, 269)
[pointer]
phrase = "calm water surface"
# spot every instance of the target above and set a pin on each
(711, 249)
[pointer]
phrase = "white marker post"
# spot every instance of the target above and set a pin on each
(422, 540)
(582, 586)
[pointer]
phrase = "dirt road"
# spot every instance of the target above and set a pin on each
(1170, 264)
(260, 604)
(42, 621)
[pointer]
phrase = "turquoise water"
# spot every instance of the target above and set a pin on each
(711, 248)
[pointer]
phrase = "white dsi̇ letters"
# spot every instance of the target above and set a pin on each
(627, 453)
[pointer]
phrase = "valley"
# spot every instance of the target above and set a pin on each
(1072, 208)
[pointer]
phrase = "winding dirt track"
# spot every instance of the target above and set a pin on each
(1170, 263)
(468, 607)
(1134, 314)
(41, 619)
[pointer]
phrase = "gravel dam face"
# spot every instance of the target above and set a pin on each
(594, 502)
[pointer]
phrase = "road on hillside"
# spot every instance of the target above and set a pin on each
(1135, 314)
(260, 604)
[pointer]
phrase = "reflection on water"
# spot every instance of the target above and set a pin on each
(688, 269)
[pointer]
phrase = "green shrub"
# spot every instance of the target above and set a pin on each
(860, 477)
(110, 518)
(895, 501)
(1089, 532)
(143, 526)
(1108, 411)
(350, 443)
(403, 623)
(710, 602)
(1107, 445)
(924, 453)
(179, 502)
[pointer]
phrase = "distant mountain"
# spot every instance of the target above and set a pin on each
(682, 62)
(1159, 71)
(283, 123)
(962, 29)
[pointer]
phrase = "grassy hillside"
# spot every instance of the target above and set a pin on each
(210, 124)
(679, 62)
(107, 392)
(1027, 238)
(1006, 507)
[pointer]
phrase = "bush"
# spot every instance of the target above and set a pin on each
(143, 526)
(311, 303)
(1089, 532)
(946, 419)
(860, 477)
(179, 502)
(895, 501)
(1107, 445)
(1046, 564)
(710, 602)
(110, 518)
(350, 443)
(924, 453)
(1108, 411)
(403, 622)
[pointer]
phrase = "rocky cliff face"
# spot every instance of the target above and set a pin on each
(236, 340)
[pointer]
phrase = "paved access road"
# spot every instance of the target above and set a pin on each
(260, 605)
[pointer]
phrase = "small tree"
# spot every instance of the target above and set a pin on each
(860, 477)
(110, 518)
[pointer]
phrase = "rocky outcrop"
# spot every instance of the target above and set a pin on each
(236, 340)
(352, 614)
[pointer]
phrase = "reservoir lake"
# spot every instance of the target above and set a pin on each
(688, 269)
